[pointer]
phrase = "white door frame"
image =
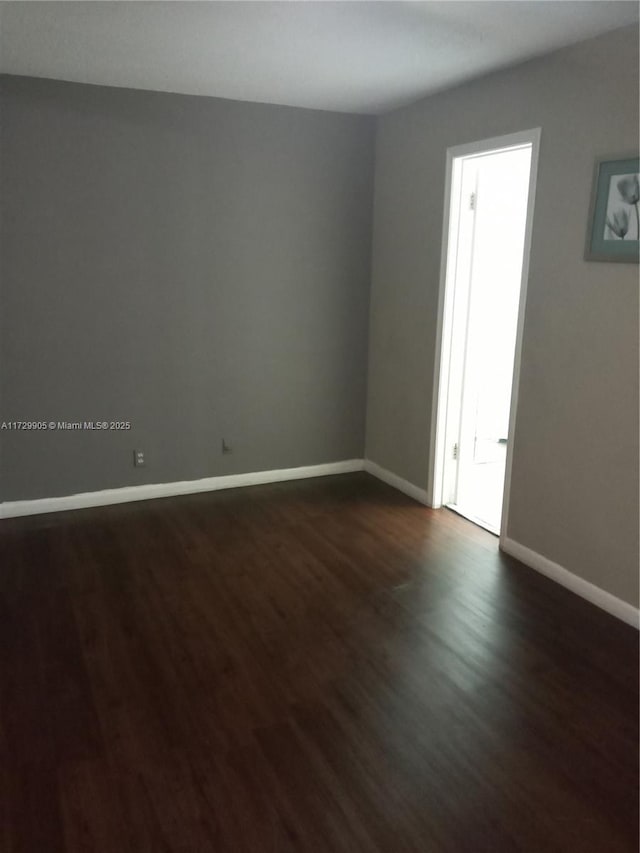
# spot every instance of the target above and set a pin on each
(437, 447)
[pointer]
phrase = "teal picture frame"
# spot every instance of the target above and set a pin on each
(614, 213)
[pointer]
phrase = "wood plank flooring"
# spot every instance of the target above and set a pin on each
(314, 666)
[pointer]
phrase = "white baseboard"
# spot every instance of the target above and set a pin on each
(605, 600)
(398, 483)
(615, 606)
(11, 509)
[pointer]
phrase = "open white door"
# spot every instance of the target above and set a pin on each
(486, 252)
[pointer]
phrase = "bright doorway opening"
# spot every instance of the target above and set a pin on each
(489, 210)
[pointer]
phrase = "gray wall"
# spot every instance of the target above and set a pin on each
(199, 267)
(574, 496)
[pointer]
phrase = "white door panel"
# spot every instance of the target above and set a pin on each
(486, 297)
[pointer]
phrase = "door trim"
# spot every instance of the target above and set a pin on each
(437, 447)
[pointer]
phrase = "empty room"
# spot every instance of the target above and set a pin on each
(319, 427)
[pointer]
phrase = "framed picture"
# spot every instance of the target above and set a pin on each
(614, 217)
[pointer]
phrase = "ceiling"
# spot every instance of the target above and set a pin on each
(365, 57)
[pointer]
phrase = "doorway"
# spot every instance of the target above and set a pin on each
(487, 235)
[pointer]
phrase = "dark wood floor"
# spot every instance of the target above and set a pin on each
(313, 666)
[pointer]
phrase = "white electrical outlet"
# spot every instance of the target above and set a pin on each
(138, 458)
